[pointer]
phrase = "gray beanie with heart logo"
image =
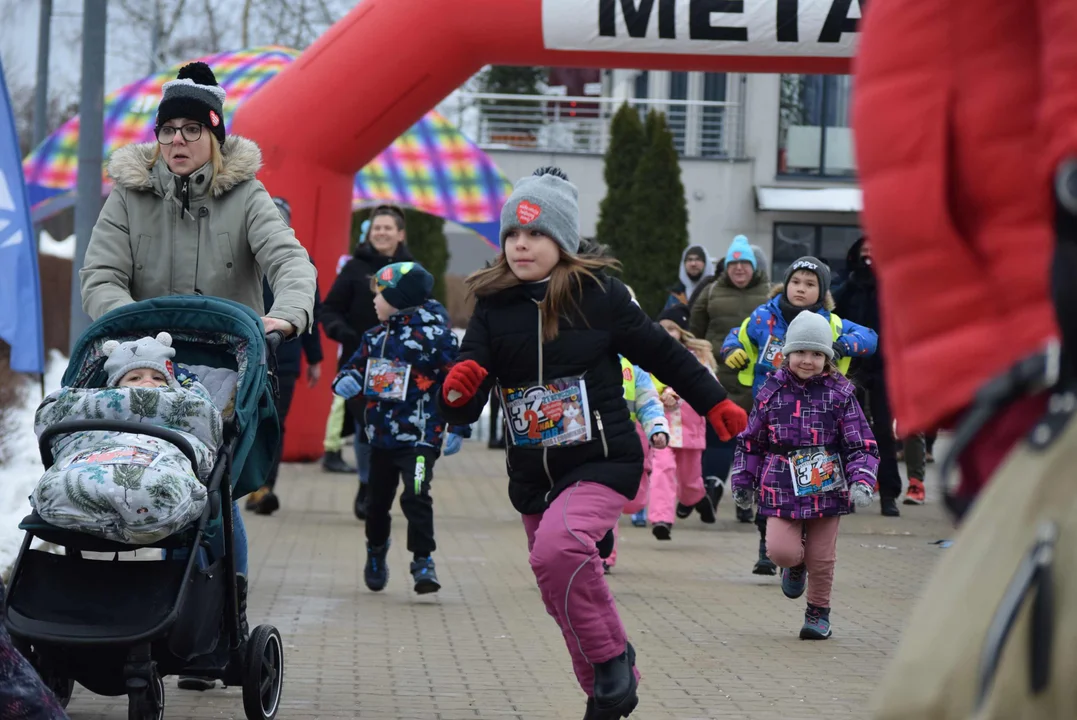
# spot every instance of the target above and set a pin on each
(547, 202)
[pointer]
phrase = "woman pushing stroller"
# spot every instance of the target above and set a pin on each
(548, 327)
(186, 216)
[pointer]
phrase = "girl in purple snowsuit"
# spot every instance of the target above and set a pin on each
(806, 456)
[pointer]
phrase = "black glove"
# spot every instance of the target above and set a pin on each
(839, 351)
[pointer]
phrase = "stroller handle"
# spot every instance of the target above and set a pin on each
(125, 426)
(274, 338)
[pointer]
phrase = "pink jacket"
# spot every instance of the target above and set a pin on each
(687, 428)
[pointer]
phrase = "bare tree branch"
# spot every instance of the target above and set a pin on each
(214, 36)
(245, 24)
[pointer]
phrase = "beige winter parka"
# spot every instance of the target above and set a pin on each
(148, 242)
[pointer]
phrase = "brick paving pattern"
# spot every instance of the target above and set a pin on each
(714, 641)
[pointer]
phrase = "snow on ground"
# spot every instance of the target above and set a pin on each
(20, 473)
(47, 245)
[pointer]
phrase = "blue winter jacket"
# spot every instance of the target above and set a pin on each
(766, 325)
(421, 338)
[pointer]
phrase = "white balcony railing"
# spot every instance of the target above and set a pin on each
(551, 123)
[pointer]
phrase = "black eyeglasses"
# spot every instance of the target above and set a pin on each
(191, 132)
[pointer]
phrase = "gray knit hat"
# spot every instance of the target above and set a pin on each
(194, 94)
(545, 201)
(154, 353)
(815, 265)
(809, 331)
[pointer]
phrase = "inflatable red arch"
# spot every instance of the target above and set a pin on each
(385, 64)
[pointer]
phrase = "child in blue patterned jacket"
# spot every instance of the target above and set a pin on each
(398, 370)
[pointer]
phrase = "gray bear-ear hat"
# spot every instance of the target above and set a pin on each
(154, 353)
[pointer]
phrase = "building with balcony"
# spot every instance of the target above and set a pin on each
(769, 156)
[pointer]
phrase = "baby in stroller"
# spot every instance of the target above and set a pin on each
(121, 486)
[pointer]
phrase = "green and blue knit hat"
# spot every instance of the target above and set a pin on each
(405, 284)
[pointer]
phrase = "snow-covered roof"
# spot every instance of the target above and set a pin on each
(824, 199)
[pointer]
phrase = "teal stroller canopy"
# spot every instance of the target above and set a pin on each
(207, 332)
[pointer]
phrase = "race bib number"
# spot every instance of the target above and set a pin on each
(386, 379)
(815, 470)
(772, 352)
(113, 456)
(548, 415)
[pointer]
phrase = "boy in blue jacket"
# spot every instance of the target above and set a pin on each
(754, 348)
(398, 369)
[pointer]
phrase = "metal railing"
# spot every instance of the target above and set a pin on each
(581, 124)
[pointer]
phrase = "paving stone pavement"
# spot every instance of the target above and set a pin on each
(713, 640)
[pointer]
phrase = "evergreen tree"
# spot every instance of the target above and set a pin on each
(627, 144)
(427, 242)
(658, 219)
(512, 80)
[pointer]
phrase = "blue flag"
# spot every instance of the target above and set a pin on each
(20, 285)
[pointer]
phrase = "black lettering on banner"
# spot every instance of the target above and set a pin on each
(636, 19)
(700, 27)
(838, 21)
(667, 25)
(787, 21)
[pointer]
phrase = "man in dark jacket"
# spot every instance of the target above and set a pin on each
(348, 310)
(858, 301)
(289, 367)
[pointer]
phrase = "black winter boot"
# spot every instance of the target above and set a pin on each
(615, 686)
(745, 515)
(333, 462)
(376, 572)
(764, 565)
(605, 545)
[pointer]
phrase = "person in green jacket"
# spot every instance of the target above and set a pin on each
(186, 216)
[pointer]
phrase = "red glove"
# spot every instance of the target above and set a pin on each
(728, 419)
(463, 382)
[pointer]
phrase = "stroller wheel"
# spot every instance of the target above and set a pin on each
(263, 677)
(150, 703)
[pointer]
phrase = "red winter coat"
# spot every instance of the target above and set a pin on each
(962, 111)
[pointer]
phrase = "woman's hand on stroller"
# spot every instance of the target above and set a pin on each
(347, 384)
(270, 324)
(453, 443)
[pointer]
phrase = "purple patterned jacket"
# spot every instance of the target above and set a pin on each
(790, 413)
(22, 694)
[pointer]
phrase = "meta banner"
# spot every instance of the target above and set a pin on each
(804, 28)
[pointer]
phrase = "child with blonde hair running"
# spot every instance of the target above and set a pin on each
(808, 455)
(677, 474)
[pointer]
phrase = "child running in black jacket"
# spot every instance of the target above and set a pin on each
(547, 329)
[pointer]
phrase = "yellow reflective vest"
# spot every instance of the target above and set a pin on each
(747, 375)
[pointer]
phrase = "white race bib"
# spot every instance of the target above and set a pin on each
(548, 415)
(816, 470)
(386, 379)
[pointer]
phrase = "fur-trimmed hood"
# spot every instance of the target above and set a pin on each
(130, 167)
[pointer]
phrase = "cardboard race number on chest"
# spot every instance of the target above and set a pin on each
(816, 470)
(552, 414)
(772, 352)
(386, 379)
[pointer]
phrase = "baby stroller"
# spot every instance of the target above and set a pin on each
(118, 628)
